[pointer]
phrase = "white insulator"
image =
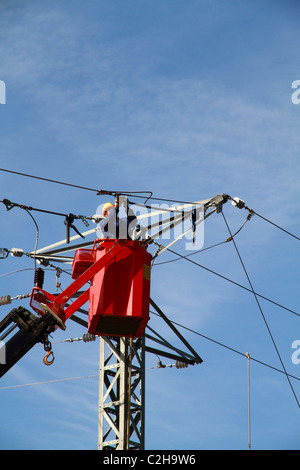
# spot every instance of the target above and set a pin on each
(237, 202)
(5, 300)
(181, 365)
(18, 252)
(88, 337)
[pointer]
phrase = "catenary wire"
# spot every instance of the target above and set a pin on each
(106, 192)
(136, 195)
(191, 254)
(175, 323)
(277, 226)
(26, 209)
(261, 311)
(209, 247)
(17, 271)
(103, 192)
(37, 235)
(229, 348)
(180, 256)
(9, 205)
(48, 180)
(49, 381)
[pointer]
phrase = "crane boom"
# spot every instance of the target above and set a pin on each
(31, 330)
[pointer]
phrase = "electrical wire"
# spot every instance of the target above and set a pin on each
(17, 271)
(180, 256)
(49, 382)
(37, 235)
(229, 348)
(241, 205)
(191, 254)
(136, 195)
(175, 323)
(48, 180)
(277, 226)
(101, 191)
(9, 206)
(209, 247)
(261, 311)
(27, 209)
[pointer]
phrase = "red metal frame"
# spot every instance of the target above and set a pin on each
(56, 304)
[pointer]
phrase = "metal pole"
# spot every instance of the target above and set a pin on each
(249, 426)
(121, 393)
(128, 400)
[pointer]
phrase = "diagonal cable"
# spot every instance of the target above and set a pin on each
(260, 309)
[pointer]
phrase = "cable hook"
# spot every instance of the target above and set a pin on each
(49, 352)
(46, 361)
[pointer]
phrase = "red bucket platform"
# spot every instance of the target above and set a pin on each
(120, 292)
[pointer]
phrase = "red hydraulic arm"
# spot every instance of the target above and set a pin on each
(119, 293)
(42, 302)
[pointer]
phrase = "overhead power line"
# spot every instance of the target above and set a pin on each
(229, 348)
(98, 191)
(261, 311)
(277, 226)
(240, 204)
(180, 256)
(48, 180)
(218, 343)
(138, 195)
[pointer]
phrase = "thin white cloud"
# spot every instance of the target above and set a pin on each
(181, 129)
(182, 137)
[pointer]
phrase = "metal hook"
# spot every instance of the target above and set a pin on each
(3, 253)
(45, 360)
(49, 352)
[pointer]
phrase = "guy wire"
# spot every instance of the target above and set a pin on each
(262, 314)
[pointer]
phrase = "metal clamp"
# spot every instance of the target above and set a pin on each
(3, 253)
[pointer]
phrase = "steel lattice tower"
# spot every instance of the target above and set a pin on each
(121, 418)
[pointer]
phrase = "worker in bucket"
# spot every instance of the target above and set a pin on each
(119, 220)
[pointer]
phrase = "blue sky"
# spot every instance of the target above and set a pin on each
(188, 100)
